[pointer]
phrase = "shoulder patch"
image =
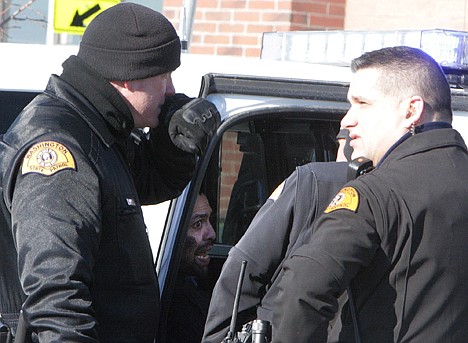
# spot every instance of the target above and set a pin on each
(276, 193)
(47, 158)
(347, 198)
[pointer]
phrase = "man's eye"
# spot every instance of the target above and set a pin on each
(197, 224)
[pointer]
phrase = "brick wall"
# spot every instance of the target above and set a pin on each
(235, 27)
(231, 158)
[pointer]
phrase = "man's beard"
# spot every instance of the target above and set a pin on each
(188, 265)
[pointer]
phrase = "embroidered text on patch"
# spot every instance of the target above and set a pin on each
(47, 158)
(347, 198)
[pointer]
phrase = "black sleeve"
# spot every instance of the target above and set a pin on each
(317, 184)
(187, 313)
(263, 247)
(60, 212)
(161, 170)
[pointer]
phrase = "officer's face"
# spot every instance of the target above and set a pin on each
(145, 98)
(199, 241)
(375, 120)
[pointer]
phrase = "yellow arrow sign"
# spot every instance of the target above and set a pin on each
(72, 16)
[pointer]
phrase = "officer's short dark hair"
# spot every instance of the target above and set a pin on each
(406, 72)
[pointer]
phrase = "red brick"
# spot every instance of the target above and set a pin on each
(276, 17)
(246, 40)
(234, 28)
(237, 168)
(251, 16)
(172, 3)
(229, 51)
(309, 7)
(169, 14)
(302, 27)
(216, 39)
(208, 4)
(230, 180)
(218, 16)
(252, 52)
(230, 141)
(228, 144)
(196, 38)
(232, 156)
(205, 50)
(343, 2)
(282, 28)
(326, 22)
(299, 19)
(231, 169)
(284, 5)
(204, 27)
(256, 28)
(233, 4)
(337, 9)
(262, 5)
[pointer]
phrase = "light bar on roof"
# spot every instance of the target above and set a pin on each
(447, 47)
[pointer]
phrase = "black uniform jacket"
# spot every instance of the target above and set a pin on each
(281, 225)
(187, 313)
(84, 257)
(399, 235)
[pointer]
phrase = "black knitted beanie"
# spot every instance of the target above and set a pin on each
(130, 42)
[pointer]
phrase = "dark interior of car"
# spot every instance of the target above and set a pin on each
(11, 104)
(265, 153)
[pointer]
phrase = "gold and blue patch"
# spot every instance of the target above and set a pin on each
(47, 158)
(347, 198)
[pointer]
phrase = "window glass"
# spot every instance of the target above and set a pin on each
(12, 103)
(255, 158)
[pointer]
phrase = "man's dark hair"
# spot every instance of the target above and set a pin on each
(406, 72)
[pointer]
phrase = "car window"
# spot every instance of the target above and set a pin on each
(253, 158)
(11, 104)
(254, 162)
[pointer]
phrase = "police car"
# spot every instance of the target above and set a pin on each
(277, 113)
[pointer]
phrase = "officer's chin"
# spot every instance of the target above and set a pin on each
(154, 123)
(356, 154)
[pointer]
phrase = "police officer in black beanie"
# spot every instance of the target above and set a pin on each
(74, 179)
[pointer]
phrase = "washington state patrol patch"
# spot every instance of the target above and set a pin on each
(47, 158)
(347, 198)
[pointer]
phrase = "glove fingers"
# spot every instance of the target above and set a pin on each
(192, 126)
(185, 144)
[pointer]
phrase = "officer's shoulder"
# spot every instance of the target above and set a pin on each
(328, 171)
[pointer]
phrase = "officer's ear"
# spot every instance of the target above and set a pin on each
(123, 86)
(414, 108)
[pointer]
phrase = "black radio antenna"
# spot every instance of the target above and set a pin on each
(232, 329)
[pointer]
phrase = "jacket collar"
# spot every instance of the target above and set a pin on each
(58, 88)
(428, 136)
(100, 93)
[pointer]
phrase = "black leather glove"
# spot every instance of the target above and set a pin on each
(192, 125)
(172, 104)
